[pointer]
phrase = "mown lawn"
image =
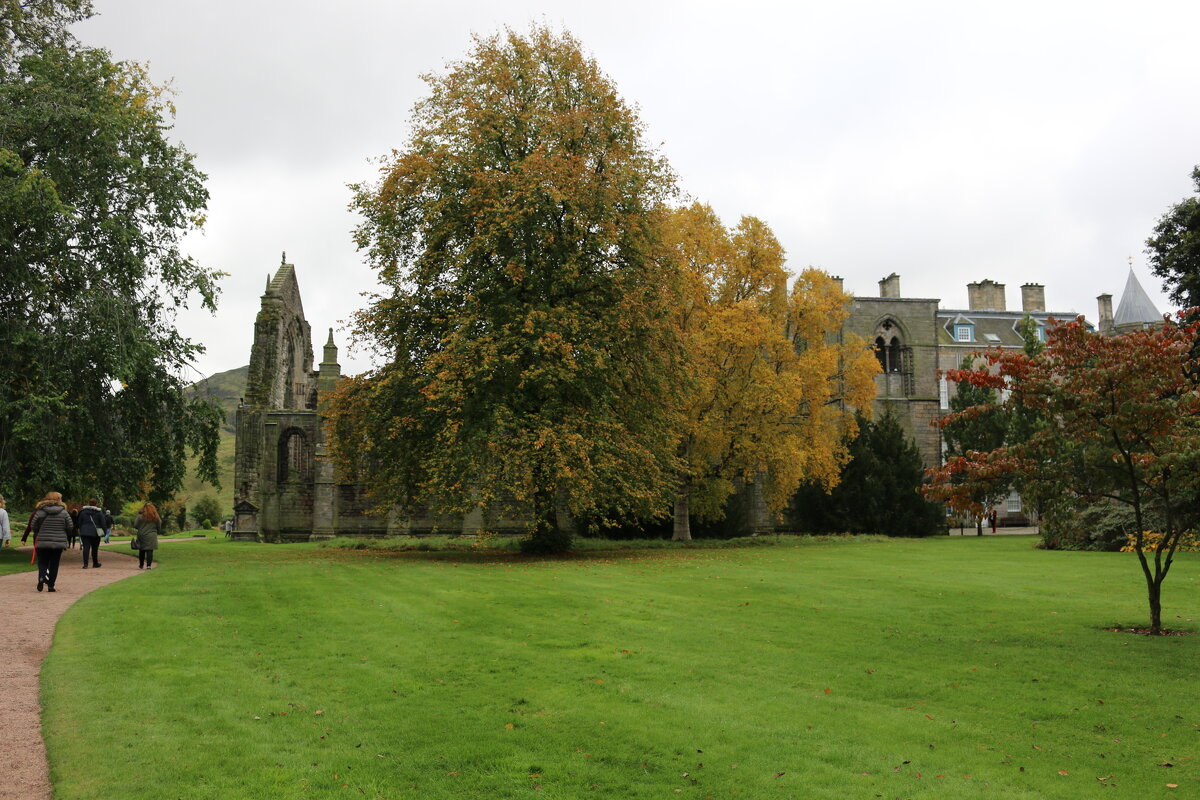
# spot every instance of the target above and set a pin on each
(11, 560)
(945, 668)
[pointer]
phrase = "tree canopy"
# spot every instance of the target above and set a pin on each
(95, 201)
(529, 363)
(1174, 249)
(977, 424)
(771, 377)
(1119, 419)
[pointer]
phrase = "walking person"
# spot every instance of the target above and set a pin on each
(91, 525)
(108, 525)
(147, 526)
(5, 528)
(51, 525)
(72, 535)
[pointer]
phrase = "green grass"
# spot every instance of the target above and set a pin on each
(945, 668)
(13, 561)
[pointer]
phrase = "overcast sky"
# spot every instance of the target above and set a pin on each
(947, 142)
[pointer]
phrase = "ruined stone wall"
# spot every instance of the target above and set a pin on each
(912, 393)
(281, 358)
(278, 431)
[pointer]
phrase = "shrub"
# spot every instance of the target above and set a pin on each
(546, 540)
(205, 509)
(1101, 526)
(1189, 542)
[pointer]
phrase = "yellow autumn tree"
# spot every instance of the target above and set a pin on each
(775, 380)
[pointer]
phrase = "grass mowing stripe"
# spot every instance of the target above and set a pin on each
(941, 668)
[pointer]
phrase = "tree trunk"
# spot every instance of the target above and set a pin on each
(564, 520)
(1154, 591)
(683, 522)
(979, 526)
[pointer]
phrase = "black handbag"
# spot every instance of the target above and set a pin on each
(133, 543)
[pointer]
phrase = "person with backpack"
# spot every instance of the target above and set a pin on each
(51, 525)
(91, 526)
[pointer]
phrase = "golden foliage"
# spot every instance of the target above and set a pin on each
(774, 379)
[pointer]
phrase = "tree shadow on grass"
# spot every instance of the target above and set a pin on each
(676, 551)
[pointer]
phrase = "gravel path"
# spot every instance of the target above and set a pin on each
(26, 632)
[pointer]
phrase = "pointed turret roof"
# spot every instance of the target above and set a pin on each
(1135, 307)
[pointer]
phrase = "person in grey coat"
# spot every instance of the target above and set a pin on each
(147, 526)
(51, 525)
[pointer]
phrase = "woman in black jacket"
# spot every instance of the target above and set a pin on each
(91, 528)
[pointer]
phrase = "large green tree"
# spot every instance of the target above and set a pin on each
(530, 363)
(95, 201)
(1174, 249)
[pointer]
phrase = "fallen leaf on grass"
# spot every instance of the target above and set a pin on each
(1063, 772)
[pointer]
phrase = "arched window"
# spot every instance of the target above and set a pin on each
(895, 359)
(295, 461)
(889, 347)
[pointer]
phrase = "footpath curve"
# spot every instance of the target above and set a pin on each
(26, 633)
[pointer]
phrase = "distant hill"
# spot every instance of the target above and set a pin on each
(226, 389)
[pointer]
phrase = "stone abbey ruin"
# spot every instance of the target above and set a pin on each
(286, 490)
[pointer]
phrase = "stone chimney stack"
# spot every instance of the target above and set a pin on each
(838, 280)
(987, 295)
(1104, 303)
(890, 286)
(1033, 297)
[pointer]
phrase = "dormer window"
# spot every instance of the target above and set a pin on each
(964, 333)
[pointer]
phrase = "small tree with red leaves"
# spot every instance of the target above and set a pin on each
(1121, 421)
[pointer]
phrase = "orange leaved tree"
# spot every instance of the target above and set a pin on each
(1120, 420)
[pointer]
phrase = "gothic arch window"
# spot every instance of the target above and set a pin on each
(895, 358)
(295, 459)
(889, 347)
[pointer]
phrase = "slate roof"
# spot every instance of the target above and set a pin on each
(1002, 325)
(1135, 307)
